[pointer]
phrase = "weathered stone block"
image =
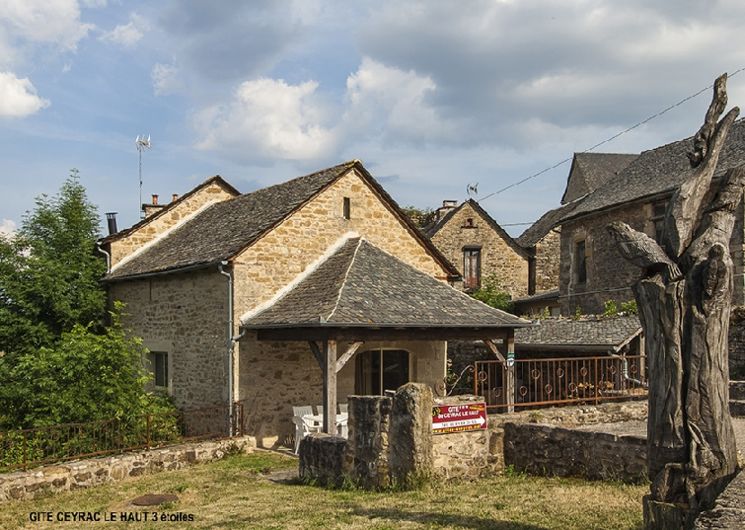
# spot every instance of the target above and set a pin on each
(411, 434)
(323, 459)
(367, 451)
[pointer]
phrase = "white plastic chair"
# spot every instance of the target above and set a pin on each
(303, 425)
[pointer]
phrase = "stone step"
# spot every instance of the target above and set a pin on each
(737, 390)
(737, 407)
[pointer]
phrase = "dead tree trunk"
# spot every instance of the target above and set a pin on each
(684, 300)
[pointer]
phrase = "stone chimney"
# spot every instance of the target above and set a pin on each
(153, 207)
(174, 197)
(447, 205)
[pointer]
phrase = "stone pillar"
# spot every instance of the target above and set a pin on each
(411, 434)
(367, 447)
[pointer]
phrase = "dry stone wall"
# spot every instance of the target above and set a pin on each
(556, 451)
(92, 472)
(548, 262)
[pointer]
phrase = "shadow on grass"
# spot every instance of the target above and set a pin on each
(444, 520)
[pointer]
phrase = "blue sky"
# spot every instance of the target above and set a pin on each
(430, 95)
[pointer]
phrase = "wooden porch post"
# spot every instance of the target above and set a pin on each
(329, 387)
(509, 342)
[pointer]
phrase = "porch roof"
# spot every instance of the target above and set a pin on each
(361, 290)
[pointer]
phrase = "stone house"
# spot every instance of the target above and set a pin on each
(592, 270)
(468, 236)
(291, 295)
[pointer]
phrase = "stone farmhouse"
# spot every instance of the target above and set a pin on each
(592, 270)
(468, 236)
(296, 294)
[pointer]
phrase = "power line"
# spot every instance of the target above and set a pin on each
(621, 133)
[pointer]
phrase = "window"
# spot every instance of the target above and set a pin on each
(580, 262)
(381, 370)
(158, 362)
(347, 207)
(469, 223)
(658, 217)
(471, 268)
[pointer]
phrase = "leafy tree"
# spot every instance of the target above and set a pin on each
(492, 293)
(49, 272)
(85, 376)
(422, 217)
(59, 361)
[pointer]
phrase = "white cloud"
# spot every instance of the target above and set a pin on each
(7, 228)
(127, 35)
(394, 100)
(269, 118)
(164, 77)
(18, 97)
(43, 21)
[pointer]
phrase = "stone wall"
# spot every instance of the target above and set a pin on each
(126, 245)
(92, 472)
(556, 451)
(606, 269)
(184, 315)
(548, 261)
(275, 376)
(498, 257)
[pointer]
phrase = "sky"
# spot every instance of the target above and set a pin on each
(431, 95)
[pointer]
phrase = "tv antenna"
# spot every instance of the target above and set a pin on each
(142, 144)
(472, 190)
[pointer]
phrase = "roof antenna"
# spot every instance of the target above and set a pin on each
(472, 190)
(142, 143)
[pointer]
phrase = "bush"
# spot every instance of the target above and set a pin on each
(492, 294)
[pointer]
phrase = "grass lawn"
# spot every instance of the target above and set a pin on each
(236, 493)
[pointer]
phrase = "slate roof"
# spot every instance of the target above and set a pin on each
(432, 230)
(543, 226)
(225, 228)
(360, 285)
(546, 295)
(660, 171)
(589, 333)
(591, 170)
(168, 207)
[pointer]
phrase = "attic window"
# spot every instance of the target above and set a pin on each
(469, 223)
(347, 208)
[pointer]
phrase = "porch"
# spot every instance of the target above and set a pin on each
(361, 322)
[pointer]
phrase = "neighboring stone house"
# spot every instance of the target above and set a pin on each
(543, 238)
(592, 270)
(244, 297)
(479, 247)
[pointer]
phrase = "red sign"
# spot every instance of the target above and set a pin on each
(459, 418)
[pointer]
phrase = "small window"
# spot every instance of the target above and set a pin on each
(159, 368)
(347, 208)
(658, 217)
(580, 262)
(469, 223)
(471, 268)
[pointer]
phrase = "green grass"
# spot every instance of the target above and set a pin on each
(237, 493)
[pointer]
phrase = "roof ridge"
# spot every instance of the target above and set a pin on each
(344, 281)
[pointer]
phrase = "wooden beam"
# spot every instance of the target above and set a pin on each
(347, 355)
(329, 387)
(378, 334)
(509, 343)
(317, 353)
(489, 343)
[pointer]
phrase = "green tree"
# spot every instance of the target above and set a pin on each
(492, 293)
(59, 360)
(49, 271)
(422, 217)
